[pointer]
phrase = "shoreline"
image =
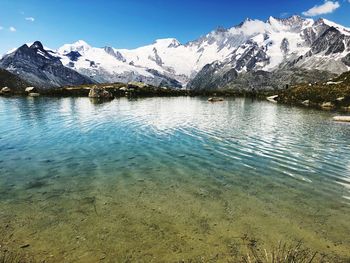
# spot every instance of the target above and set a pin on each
(316, 96)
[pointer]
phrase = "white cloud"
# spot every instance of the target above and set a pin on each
(326, 8)
(31, 19)
(285, 14)
(12, 29)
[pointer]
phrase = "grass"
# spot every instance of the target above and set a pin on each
(319, 93)
(7, 257)
(283, 253)
(14, 257)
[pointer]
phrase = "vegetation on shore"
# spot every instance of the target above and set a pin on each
(331, 95)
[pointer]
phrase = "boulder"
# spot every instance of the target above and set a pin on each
(123, 89)
(327, 105)
(31, 90)
(334, 83)
(137, 84)
(100, 93)
(5, 90)
(306, 102)
(272, 98)
(342, 118)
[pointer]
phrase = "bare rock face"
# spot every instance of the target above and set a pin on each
(41, 67)
(100, 93)
(346, 60)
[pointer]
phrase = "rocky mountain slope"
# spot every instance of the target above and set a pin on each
(7, 79)
(254, 54)
(40, 67)
(281, 47)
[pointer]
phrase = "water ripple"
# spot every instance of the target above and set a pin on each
(237, 137)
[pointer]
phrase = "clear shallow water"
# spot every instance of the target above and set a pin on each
(166, 179)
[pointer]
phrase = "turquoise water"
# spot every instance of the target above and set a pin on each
(169, 179)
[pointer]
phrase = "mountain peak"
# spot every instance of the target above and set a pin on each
(79, 46)
(294, 18)
(80, 43)
(220, 29)
(37, 45)
(342, 29)
(168, 42)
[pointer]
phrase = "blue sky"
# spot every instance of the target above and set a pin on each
(133, 23)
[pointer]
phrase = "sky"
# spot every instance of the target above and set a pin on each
(134, 23)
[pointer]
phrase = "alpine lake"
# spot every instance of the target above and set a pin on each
(170, 179)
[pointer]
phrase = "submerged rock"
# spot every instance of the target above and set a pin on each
(34, 94)
(100, 93)
(24, 245)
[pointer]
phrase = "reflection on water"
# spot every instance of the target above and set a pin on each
(166, 179)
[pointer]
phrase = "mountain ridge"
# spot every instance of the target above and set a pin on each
(40, 67)
(277, 44)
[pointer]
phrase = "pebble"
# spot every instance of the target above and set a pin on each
(24, 245)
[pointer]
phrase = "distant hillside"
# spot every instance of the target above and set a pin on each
(12, 81)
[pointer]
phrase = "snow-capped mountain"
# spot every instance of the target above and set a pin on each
(109, 65)
(40, 67)
(278, 45)
(220, 57)
(250, 46)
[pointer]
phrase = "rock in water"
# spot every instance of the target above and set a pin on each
(272, 98)
(215, 99)
(327, 105)
(31, 90)
(5, 90)
(342, 118)
(306, 102)
(100, 93)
